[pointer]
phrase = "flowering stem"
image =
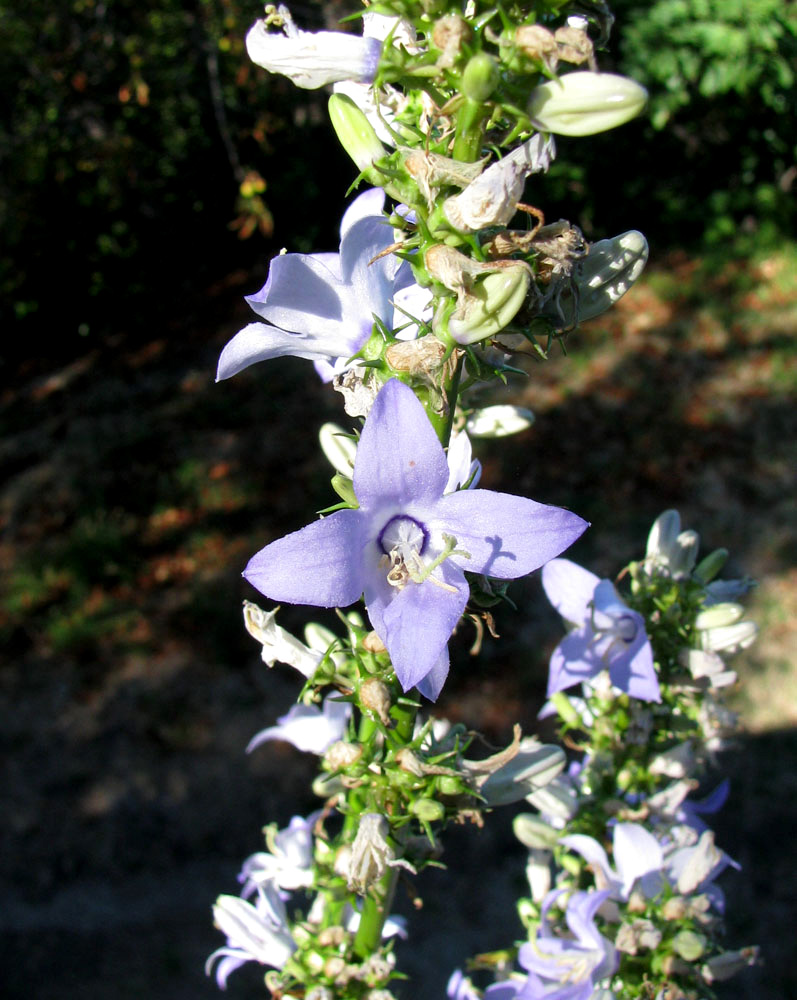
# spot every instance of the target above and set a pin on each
(469, 131)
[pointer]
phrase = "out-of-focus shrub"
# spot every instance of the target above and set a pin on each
(136, 144)
(715, 159)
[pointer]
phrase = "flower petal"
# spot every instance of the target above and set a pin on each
(573, 661)
(399, 458)
(636, 853)
(261, 342)
(432, 684)
(320, 564)
(506, 536)
(570, 588)
(302, 294)
(416, 623)
(631, 669)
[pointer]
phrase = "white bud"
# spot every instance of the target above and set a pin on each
(498, 421)
(584, 103)
(338, 447)
(607, 272)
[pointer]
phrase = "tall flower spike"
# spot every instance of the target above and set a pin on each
(322, 306)
(408, 545)
(609, 634)
(311, 59)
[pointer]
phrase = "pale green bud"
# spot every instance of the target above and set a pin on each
(428, 810)
(584, 103)
(491, 304)
(534, 833)
(479, 78)
(709, 567)
(357, 136)
(689, 945)
(719, 615)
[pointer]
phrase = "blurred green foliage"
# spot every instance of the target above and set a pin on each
(136, 144)
(715, 160)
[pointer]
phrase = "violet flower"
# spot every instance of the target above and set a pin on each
(408, 545)
(321, 306)
(609, 635)
(574, 964)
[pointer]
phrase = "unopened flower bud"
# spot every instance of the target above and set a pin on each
(479, 78)
(534, 832)
(428, 810)
(357, 136)
(584, 103)
(498, 421)
(711, 565)
(338, 447)
(556, 799)
(607, 272)
(719, 615)
(689, 945)
(492, 303)
(342, 755)
(334, 966)
(727, 964)
(374, 696)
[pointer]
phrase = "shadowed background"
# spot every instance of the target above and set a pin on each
(137, 147)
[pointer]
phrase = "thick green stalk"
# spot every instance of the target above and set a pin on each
(469, 131)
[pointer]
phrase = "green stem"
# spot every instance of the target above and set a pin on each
(469, 132)
(376, 907)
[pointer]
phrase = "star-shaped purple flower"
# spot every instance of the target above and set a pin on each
(321, 306)
(409, 544)
(609, 634)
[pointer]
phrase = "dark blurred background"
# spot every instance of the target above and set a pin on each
(149, 173)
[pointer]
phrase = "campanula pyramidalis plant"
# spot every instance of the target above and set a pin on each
(446, 268)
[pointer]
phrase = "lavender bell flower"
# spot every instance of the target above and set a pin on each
(609, 635)
(322, 306)
(408, 545)
(577, 963)
(637, 855)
